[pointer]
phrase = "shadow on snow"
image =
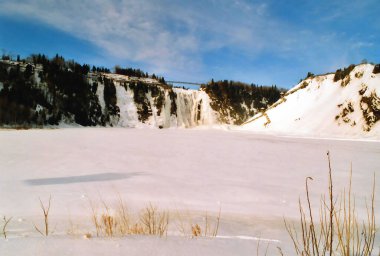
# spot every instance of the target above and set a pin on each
(81, 179)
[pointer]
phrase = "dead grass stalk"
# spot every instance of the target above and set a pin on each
(45, 210)
(339, 231)
(6, 222)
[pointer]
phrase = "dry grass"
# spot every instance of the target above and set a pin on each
(153, 221)
(266, 249)
(208, 228)
(339, 231)
(73, 228)
(94, 216)
(124, 218)
(117, 221)
(196, 230)
(105, 222)
(45, 210)
(6, 222)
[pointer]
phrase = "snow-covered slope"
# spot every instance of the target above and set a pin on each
(320, 107)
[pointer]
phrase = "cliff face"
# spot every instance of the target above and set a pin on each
(65, 93)
(144, 101)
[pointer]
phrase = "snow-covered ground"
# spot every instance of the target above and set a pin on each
(255, 179)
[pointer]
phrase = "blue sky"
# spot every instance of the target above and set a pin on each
(264, 42)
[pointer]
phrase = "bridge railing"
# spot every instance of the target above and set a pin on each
(182, 82)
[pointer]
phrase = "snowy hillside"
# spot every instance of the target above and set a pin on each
(322, 107)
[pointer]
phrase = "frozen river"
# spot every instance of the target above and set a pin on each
(255, 179)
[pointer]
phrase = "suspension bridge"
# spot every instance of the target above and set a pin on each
(182, 82)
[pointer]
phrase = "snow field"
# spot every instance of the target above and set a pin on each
(256, 180)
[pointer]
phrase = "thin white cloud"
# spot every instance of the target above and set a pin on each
(136, 30)
(361, 44)
(125, 29)
(173, 36)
